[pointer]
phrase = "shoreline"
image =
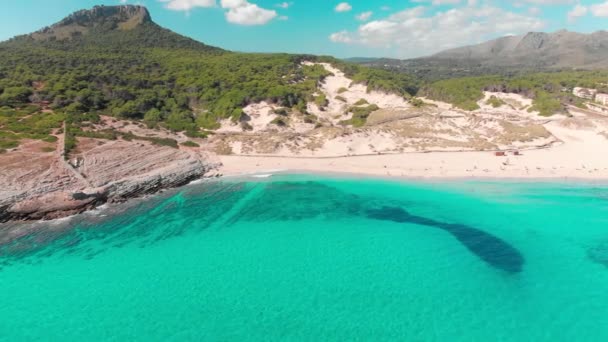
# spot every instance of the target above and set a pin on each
(22, 227)
(14, 229)
(556, 163)
(269, 174)
(17, 228)
(577, 158)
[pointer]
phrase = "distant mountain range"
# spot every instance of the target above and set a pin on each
(538, 49)
(534, 51)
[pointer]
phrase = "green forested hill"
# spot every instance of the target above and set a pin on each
(115, 60)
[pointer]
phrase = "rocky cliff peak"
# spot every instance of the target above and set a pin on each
(132, 14)
(99, 19)
(108, 27)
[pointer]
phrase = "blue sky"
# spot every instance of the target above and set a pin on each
(390, 28)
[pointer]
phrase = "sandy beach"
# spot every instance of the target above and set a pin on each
(435, 141)
(580, 155)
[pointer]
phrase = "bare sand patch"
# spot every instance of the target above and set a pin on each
(342, 93)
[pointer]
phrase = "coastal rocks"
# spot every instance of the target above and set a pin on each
(112, 173)
(61, 204)
(123, 190)
(56, 204)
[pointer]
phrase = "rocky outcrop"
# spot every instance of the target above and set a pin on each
(99, 14)
(53, 205)
(99, 19)
(116, 172)
(65, 203)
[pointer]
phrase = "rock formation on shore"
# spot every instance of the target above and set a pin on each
(37, 185)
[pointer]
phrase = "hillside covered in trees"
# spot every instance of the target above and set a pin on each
(116, 61)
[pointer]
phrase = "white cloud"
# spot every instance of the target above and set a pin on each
(534, 11)
(341, 37)
(233, 3)
(600, 10)
(343, 7)
(445, 2)
(284, 5)
(186, 5)
(408, 14)
(438, 2)
(519, 3)
(364, 16)
(242, 12)
(577, 12)
(413, 32)
(549, 2)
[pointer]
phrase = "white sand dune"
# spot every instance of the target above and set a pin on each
(580, 155)
(339, 86)
(260, 114)
(341, 93)
(435, 141)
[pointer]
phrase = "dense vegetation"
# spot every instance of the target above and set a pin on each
(151, 74)
(379, 79)
(549, 91)
(461, 92)
(143, 72)
(431, 69)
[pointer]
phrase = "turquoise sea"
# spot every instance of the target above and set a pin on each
(318, 258)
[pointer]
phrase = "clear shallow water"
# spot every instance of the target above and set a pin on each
(315, 258)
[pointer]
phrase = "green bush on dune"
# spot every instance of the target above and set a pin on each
(190, 143)
(359, 115)
(361, 102)
(495, 102)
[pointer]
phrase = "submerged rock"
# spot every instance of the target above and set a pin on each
(599, 253)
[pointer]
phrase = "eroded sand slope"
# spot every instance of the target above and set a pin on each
(396, 127)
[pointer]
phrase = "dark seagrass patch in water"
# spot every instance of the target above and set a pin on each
(599, 253)
(493, 250)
